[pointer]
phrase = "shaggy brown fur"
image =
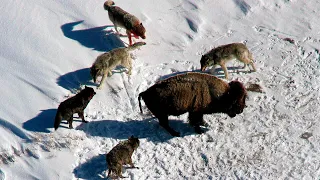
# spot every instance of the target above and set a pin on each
(75, 104)
(222, 54)
(121, 155)
(123, 19)
(195, 93)
(106, 62)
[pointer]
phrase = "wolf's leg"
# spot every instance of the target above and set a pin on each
(102, 79)
(131, 164)
(116, 28)
(130, 37)
(109, 73)
(128, 65)
(225, 70)
(82, 117)
(70, 122)
(109, 172)
(251, 61)
(213, 69)
(119, 171)
(253, 66)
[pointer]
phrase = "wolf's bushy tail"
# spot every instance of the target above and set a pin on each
(135, 46)
(139, 99)
(57, 120)
(108, 4)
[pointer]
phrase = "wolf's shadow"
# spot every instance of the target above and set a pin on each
(92, 168)
(73, 80)
(96, 38)
(147, 128)
(42, 122)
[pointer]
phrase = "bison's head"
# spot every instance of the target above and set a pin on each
(207, 61)
(235, 98)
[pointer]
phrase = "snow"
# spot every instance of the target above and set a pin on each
(47, 48)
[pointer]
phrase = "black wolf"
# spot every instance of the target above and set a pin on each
(75, 104)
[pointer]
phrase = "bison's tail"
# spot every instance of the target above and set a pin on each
(57, 120)
(139, 99)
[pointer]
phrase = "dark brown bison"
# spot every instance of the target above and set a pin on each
(196, 93)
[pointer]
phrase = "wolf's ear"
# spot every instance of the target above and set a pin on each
(85, 86)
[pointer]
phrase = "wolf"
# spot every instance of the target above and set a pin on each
(106, 62)
(220, 55)
(121, 18)
(75, 104)
(121, 155)
(195, 93)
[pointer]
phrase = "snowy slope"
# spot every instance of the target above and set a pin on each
(47, 48)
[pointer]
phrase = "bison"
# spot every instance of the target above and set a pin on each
(195, 93)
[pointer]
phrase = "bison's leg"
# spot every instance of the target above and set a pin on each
(196, 120)
(164, 122)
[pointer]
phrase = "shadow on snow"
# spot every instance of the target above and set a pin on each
(96, 38)
(147, 128)
(73, 80)
(41, 122)
(92, 168)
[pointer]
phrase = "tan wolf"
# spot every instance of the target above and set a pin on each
(121, 18)
(220, 55)
(121, 155)
(75, 104)
(106, 62)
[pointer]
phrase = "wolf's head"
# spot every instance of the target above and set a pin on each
(94, 72)
(207, 61)
(107, 4)
(134, 142)
(88, 92)
(139, 30)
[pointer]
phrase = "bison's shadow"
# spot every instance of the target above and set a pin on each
(96, 38)
(42, 122)
(92, 168)
(148, 128)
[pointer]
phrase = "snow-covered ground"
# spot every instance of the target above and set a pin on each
(48, 46)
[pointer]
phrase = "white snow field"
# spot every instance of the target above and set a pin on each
(47, 48)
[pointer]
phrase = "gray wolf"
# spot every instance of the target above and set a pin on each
(106, 62)
(195, 93)
(75, 104)
(121, 155)
(222, 54)
(121, 18)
